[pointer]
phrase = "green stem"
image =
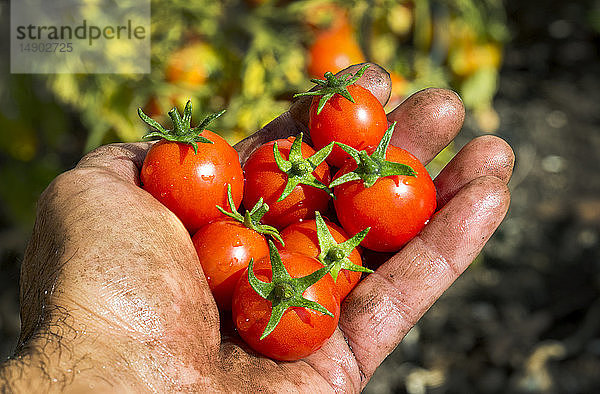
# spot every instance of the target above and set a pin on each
(332, 85)
(300, 171)
(371, 168)
(284, 291)
(251, 219)
(334, 254)
(182, 130)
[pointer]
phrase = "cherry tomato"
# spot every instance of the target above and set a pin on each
(265, 179)
(225, 248)
(301, 331)
(189, 184)
(333, 50)
(361, 124)
(302, 237)
(395, 207)
(189, 65)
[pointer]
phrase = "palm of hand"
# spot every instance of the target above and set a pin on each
(120, 270)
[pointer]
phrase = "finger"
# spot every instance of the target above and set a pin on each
(123, 160)
(427, 121)
(291, 123)
(382, 308)
(486, 155)
(281, 127)
(335, 362)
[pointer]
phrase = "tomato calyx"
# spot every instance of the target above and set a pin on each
(300, 170)
(284, 291)
(251, 218)
(333, 85)
(334, 254)
(371, 168)
(182, 130)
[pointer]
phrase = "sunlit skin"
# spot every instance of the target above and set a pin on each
(113, 300)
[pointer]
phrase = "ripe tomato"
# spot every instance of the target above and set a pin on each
(361, 124)
(189, 65)
(395, 207)
(225, 248)
(302, 237)
(265, 179)
(301, 330)
(189, 184)
(333, 50)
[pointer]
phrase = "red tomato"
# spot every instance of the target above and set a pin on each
(189, 65)
(264, 179)
(395, 207)
(301, 331)
(333, 50)
(361, 124)
(191, 185)
(302, 237)
(225, 248)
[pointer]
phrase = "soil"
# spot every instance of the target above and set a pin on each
(525, 317)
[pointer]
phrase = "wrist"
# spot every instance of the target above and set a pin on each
(50, 363)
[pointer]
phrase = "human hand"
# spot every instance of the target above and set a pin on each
(113, 296)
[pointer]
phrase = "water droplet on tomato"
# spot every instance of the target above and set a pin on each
(225, 266)
(243, 323)
(163, 194)
(207, 178)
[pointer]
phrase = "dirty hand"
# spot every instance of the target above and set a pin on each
(113, 297)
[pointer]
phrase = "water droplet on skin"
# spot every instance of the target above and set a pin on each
(163, 194)
(207, 178)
